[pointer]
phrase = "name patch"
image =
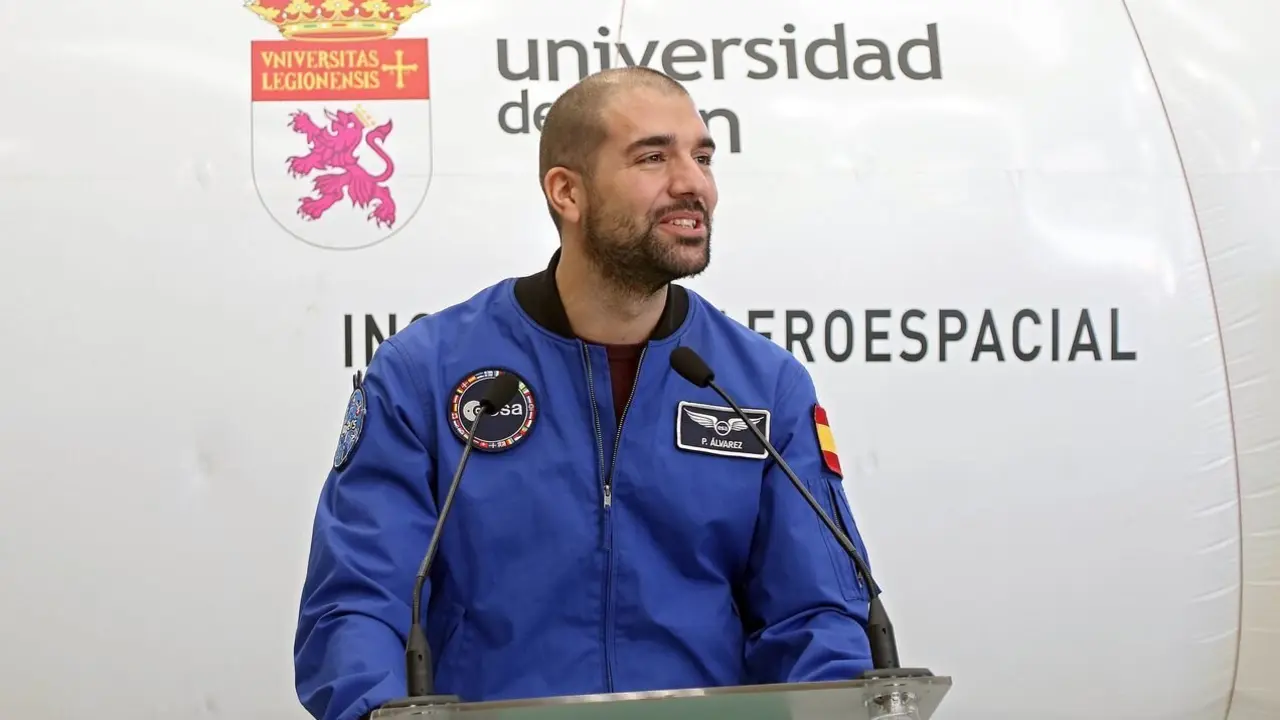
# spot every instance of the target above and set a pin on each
(500, 431)
(718, 430)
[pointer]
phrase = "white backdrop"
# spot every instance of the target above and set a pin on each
(1083, 535)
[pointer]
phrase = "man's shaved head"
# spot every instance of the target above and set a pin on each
(574, 128)
(625, 159)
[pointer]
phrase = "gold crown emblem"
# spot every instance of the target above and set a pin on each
(364, 117)
(336, 20)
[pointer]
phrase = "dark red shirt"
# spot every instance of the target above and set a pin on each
(624, 361)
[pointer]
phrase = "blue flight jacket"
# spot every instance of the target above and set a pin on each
(576, 559)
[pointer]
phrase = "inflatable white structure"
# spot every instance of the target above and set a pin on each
(1028, 250)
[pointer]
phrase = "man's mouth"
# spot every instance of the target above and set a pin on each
(683, 220)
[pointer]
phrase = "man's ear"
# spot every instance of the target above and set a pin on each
(563, 188)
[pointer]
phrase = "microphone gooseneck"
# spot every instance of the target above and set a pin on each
(418, 667)
(884, 647)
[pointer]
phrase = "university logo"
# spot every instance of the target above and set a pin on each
(341, 120)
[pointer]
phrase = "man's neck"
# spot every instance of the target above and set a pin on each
(603, 314)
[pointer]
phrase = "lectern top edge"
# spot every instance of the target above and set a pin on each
(849, 700)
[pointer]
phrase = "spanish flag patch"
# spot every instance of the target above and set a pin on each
(826, 441)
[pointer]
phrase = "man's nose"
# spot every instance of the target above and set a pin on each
(688, 177)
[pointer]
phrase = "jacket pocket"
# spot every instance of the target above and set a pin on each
(451, 657)
(852, 584)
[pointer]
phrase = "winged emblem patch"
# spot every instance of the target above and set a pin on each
(721, 427)
(717, 430)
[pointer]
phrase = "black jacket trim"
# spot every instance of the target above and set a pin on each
(539, 296)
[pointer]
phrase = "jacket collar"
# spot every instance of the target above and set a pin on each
(538, 296)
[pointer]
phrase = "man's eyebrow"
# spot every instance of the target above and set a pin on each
(661, 141)
(653, 141)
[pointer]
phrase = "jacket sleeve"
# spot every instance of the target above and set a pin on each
(372, 524)
(805, 606)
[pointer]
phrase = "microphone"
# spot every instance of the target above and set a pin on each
(417, 652)
(884, 648)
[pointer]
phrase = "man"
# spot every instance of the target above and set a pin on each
(579, 557)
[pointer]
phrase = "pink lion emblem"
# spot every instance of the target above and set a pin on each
(333, 148)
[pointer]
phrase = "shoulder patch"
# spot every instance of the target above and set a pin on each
(718, 430)
(826, 441)
(352, 424)
(498, 432)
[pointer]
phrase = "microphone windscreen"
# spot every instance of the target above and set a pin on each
(500, 392)
(691, 366)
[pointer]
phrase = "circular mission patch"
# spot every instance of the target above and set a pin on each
(352, 427)
(497, 432)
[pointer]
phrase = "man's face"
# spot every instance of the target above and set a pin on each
(651, 195)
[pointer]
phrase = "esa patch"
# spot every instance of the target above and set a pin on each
(500, 431)
(352, 424)
(826, 441)
(717, 430)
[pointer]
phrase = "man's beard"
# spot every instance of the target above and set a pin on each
(630, 255)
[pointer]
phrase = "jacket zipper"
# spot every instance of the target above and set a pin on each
(606, 529)
(595, 416)
(607, 488)
(617, 437)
